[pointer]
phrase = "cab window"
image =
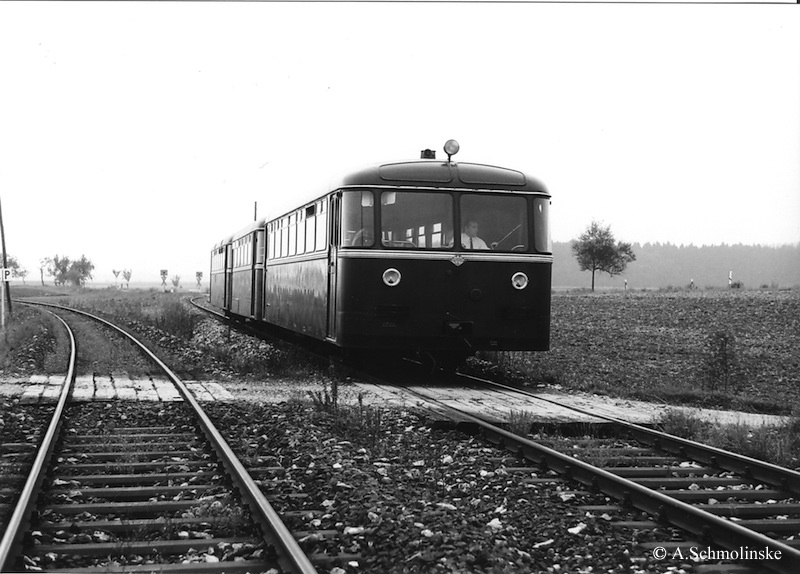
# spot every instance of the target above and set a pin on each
(358, 219)
(541, 226)
(416, 220)
(493, 222)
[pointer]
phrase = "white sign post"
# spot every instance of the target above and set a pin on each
(5, 275)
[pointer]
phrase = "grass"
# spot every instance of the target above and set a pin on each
(778, 444)
(352, 420)
(520, 422)
(31, 342)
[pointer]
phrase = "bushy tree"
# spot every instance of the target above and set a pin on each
(63, 269)
(596, 250)
(58, 268)
(80, 270)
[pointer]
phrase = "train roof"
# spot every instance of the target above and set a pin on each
(445, 174)
(258, 224)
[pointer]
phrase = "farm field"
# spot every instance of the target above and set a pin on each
(733, 349)
(727, 349)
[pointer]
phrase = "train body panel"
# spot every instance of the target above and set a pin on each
(442, 303)
(243, 296)
(423, 255)
(296, 295)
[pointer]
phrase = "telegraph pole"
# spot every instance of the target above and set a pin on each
(5, 260)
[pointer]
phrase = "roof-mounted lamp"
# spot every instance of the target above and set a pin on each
(451, 148)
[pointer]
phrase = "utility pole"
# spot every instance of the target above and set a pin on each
(5, 259)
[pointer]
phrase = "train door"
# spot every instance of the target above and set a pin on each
(259, 268)
(228, 276)
(333, 245)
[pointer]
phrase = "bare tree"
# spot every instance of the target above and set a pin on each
(596, 250)
(127, 275)
(44, 265)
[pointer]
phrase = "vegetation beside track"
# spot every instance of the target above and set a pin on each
(779, 444)
(32, 344)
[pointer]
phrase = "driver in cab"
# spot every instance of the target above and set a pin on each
(470, 239)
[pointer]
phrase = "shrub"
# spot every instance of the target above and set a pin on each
(176, 319)
(720, 365)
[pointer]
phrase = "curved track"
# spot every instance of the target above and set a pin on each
(290, 556)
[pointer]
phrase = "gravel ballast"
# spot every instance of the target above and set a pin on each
(411, 498)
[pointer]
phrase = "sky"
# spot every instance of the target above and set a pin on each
(140, 134)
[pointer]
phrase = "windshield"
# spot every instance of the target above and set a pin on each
(416, 220)
(425, 220)
(494, 222)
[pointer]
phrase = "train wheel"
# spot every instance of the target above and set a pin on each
(442, 362)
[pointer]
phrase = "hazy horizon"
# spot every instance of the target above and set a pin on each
(144, 154)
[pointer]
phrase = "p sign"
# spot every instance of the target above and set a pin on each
(5, 273)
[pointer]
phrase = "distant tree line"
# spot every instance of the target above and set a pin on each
(662, 265)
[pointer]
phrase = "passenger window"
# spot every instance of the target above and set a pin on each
(322, 227)
(284, 239)
(310, 228)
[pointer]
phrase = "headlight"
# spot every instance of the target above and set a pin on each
(391, 277)
(519, 280)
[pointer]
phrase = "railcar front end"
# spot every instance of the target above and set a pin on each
(444, 258)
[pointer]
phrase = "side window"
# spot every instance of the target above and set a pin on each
(310, 226)
(541, 225)
(358, 219)
(292, 235)
(322, 225)
(284, 237)
(271, 241)
(301, 233)
(262, 248)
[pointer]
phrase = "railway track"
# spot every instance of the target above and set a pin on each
(733, 508)
(150, 488)
(727, 503)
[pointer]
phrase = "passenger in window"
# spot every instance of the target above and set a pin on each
(470, 239)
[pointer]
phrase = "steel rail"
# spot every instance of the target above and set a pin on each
(30, 492)
(290, 556)
(709, 528)
(752, 468)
